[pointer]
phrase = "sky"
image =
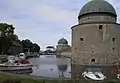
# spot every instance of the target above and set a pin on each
(44, 21)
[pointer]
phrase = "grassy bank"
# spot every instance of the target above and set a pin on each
(11, 78)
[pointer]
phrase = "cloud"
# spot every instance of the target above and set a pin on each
(55, 14)
(44, 21)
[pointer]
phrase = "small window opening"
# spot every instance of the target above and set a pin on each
(81, 39)
(92, 52)
(113, 48)
(100, 26)
(113, 39)
(75, 47)
(92, 60)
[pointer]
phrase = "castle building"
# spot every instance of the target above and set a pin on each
(63, 46)
(96, 38)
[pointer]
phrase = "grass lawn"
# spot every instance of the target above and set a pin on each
(11, 78)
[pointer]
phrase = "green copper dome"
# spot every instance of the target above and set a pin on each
(62, 41)
(97, 6)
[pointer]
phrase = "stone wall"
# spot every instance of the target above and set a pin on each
(63, 48)
(89, 41)
(97, 18)
(85, 58)
(66, 54)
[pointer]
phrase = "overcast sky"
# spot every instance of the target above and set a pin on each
(44, 21)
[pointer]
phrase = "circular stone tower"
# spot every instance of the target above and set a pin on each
(96, 39)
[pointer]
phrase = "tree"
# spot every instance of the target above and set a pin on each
(6, 34)
(15, 37)
(9, 39)
(29, 46)
(35, 48)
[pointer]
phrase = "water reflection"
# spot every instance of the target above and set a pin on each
(54, 67)
(50, 66)
(62, 69)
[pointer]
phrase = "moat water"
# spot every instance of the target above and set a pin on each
(51, 66)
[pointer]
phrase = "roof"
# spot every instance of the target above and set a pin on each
(49, 47)
(62, 41)
(97, 6)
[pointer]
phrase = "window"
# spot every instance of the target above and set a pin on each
(81, 39)
(100, 27)
(92, 52)
(92, 60)
(113, 48)
(75, 48)
(113, 39)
